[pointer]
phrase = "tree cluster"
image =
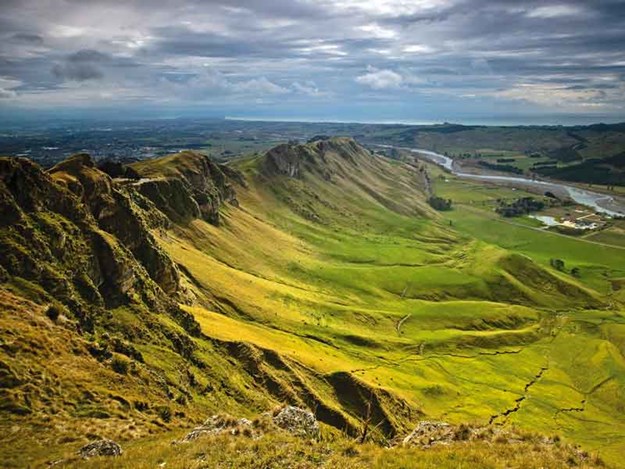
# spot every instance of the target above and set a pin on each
(558, 264)
(519, 207)
(440, 204)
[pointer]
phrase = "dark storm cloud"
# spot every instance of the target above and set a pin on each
(79, 71)
(89, 64)
(560, 54)
(182, 41)
(27, 38)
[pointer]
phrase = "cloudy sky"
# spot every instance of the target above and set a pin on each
(360, 60)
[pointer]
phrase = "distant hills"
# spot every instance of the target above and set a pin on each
(589, 154)
(578, 152)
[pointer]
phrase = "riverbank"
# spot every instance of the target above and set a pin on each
(600, 202)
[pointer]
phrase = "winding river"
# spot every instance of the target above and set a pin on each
(614, 206)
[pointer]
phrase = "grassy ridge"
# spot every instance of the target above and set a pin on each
(339, 290)
(453, 326)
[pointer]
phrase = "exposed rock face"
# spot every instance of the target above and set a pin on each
(285, 159)
(116, 169)
(171, 197)
(24, 186)
(318, 155)
(46, 236)
(100, 448)
(428, 433)
(223, 424)
(83, 240)
(188, 185)
(299, 422)
(115, 213)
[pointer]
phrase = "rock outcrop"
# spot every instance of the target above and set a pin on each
(187, 185)
(115, 212)
(296, 421)
(286, 159)
(324, 157)
(84, 239)
(218, 424)
(100, 448)
(172, 197)
(430, 433)
(299, 422)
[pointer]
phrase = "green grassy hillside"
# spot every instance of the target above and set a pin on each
(405, 303)
(327, 282)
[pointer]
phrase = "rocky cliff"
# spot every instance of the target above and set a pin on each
(187, 185)
(76, 237)
(323, 156)
(324, 171)
(120, 211)
(91, 324)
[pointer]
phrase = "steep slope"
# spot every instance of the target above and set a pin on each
(340, 175)
(93, 338)
(314, 275)
(364, 280)
(187, 185)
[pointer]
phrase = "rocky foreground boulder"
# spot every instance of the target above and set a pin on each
(100, 448)
(299, 422)
(430, 433)
(218, 424)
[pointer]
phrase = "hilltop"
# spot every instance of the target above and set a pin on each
(138, 301)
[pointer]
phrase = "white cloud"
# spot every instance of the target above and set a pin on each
(385, 7)
(257, 86)
(417, 49)
(6, 87)
(328, 49)
(555, 95)
(7, 94)
(380, 79)
(67, 31)
(377, 31)
(410, 79)
(554, 11)
(212, 82)
(308, 88)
